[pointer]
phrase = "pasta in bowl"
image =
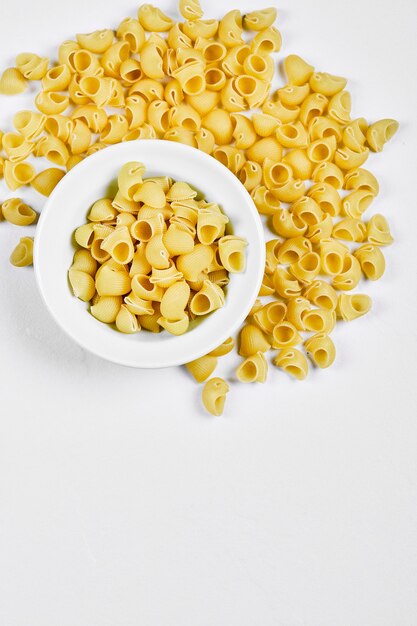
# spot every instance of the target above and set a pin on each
(137, 266)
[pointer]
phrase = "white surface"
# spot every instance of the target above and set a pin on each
(66, 210)
(122, 504)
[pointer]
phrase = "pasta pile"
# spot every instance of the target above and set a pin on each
(297, 150)
(155, 256)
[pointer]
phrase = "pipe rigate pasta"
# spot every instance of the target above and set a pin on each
(349, 276)
(350, 307)
(32, 66)
(297, 70)
(22, 255)
(230, 29)
(18, 174)
(380, 132)
(372, 261)
(253, 369)
(293, 362)
(378, 231)
(84, 262)
(322, 294)
(321, 350)
(106, 308)
(98, 41)
(82, 284)
(350, 229)
(29, 124)
(12, 82)
(267, 41)
(16, 147)
(131, 31)
(214, 395)
(46, 181)
(252, 340)
(260, 20)
(16, 212)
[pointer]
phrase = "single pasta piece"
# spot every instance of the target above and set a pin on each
(22, 255)
(319, 320)
(18, 174)
(267, 41)
(297, 70)
(32, 66)
(327, 84)
(231, 251)
(130, 30)
(106, 308)
(350, 307)
(98, 41)
(322, 294)
(350, 274)
(126, 321)
(321, 350)
(110, 281)
(295, 311)
(83, 286)
(12, 82)
(29, 124)
(253, 369)
(285, 334)
(201, 369)
(84, 262)
(293, 362)
(350, 229)
(209, 298)
(252, 340)
(230, 29)
(380, 132)
(372, 261)
(16, 212)
(361, 179)
(175, 327)
(175, 300)
(153, 19)
(214, 395)
(260, 20)
(46, 181)
(190, 9)
(378, 231)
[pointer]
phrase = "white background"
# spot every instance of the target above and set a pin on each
(123, 504)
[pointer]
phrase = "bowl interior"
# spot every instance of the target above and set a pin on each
(67, 208)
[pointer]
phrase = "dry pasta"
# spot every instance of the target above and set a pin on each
(195, 82)
(148, 255)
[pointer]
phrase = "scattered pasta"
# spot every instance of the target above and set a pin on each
(157, 256)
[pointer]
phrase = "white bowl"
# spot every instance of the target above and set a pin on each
(66, 209)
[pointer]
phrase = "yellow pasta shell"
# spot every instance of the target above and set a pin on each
(82, 284)
(321, 350)
(214, 395)
(22, 255)
(12, 82)
(15, 211)
(293, 362)
(253, 369)
(107, 308)
(252, 340)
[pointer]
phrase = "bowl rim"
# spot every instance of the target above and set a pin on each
(106, 154)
